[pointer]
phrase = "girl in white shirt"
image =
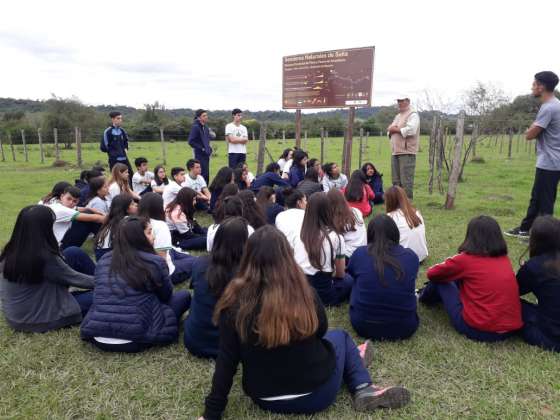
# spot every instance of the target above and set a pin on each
(409, 221)
(289, 221)
(119, 182)
(231, 206)
(348, 222)
(179, 215)
(286, 156)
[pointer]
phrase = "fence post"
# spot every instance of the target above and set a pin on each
(305, 140)
(361, 151)
(456, 166)
(12, 146)
(326, 143)
(78, 146)
(56, 149)
(25, 154)
(2, 150)
(283, 137)
(163, 151)
(41, 151)
(510, 142)
(255, 143)
(262, 146)
(322, 145)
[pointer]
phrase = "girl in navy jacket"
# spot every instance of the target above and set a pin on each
(375, 181)
(134, 306)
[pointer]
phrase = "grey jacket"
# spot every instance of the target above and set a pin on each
(44, 306)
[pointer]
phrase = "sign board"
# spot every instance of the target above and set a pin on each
(328, 79)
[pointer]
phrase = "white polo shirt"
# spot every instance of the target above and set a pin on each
(237, 131)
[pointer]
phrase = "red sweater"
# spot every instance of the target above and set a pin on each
(364, 205)
(487, 288)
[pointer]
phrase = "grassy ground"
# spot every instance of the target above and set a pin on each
(55, 375)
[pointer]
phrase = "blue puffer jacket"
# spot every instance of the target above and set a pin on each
(119, 311)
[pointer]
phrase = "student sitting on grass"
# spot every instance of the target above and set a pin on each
(478, 286)
(195, 181)
(358, 193)
(286, 156)
(375, 180)
(35, 276)
(55, 194)
(409, 221)
(289, 222)
(348, 222)
(541, 276)
(245, 167)
(266, 200)
(134, 306)
(142, 178)
(171, 190)
(185, 230)
(160, 179)
(98, 192)
(230, 206)
(119, 182)
(178, 263)
(382, 302)
(240, 178)
(74, 224)
(270, 178)
(211, 275)
(222, 178)
(83, 184)
(333, 178)
(310, 183)
(271, 321)
(298, 168)
(123, 205)
(320, 252)
(251, 211)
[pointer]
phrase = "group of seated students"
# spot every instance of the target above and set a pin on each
(281, 247)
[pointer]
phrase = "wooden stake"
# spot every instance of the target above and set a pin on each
(361, 151)
(25, 154)
(41, 151)
(456, 166)
(305, 140)
(12, 146)
(162, 142)
(347, 163)
(510, 142)
(78, 138)
(2, 150)
(298, 128)
(56, 149)
(262, 146)
(322, 145)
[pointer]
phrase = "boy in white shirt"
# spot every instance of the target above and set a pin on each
(237, 138)
(172, 189)
(196, 182)
(142, 178)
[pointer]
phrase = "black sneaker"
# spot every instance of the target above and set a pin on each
(517, 233)
(371, 397)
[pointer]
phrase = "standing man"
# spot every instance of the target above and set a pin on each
(546, 129)
(237, 138)
(199, 140)
(404, 133)
(115, 143)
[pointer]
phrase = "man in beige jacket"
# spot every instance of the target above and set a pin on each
(404, 133)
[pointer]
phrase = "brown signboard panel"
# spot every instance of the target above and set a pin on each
(328, 79)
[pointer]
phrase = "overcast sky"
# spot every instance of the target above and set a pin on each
(225, 54)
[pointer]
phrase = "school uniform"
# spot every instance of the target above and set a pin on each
(115, 144)
(122, 318)
(383, 310)
(355, 238)
(272, 211)
(170, 192)
(302, 377)
(197, 184)
(186, 234)
(237, 153)
(138, 182)
(215, 195)
(308, 187)
(289, 222)
(269, 179)
(213, 229)
(332, 183)
(98, 203)
(364, 205)
(414, 238)
(69, 231)
(296, 175)
(541, 320)
(376, 184)
(479, 293)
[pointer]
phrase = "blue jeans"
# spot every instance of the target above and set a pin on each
(331, 290)
(183, 266)
(78, 260)
(235, 159)
(532, 332)
(349, 367)
(204, 164)
(448, 293)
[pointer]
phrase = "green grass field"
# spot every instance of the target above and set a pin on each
(55, 375)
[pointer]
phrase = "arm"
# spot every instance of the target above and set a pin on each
(88, 217)
(277, 180)
(206, 194)
(370, 193)
(411, 127)
(165, 291)
(447, 271)
(125, 138)
(339, 266)
(533, 132)
(57, 271)
(321, 316)
(525, 279)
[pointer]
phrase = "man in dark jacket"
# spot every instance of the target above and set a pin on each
(115, 143)
(199, 140)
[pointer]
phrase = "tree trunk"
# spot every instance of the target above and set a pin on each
(456, 167)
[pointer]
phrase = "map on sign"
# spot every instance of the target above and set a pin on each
(328, 79)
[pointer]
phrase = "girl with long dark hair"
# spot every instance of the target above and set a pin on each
(97, 196)
(320, 251)
(35, 276)
(289, 222)
(240, 178)
(348, 222)
(310, 183)
(270, 178)
(251, 211)
(375, 180)
(298, 168)
(271, 321)
(119, 182)
(285, 157)
(160, 179)
(222, 178)
(358, 193)
(382, 302)
(334, 178)
(540, 275)
(55, 194)
(266, 200)
(185, 230)
(134, 306)
(230, 206)
(478, 286)
(211, 276)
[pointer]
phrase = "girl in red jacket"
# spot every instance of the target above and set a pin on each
(478, 286)
(358, 193)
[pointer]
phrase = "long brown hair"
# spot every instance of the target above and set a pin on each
(395, 199)
(271, 296)
(118, 178)
(343, 218)
(317, 223)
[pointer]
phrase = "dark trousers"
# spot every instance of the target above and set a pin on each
(402, 171)
(113, 161)
(204, 164)
(78, 233)
(532, 331)
(349, 368)
(386, 331)
(331, 290)
(99, 252)
(543, 196)
(201, 205)
(183, 266)
(78, 260)
(235, 159)
(84, 299)
(194, 240)
(448, 293)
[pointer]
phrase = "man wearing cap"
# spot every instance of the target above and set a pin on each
(404, 133)
(199, 140)
(546, 130)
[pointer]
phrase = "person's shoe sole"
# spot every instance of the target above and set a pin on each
(368, 354)
(392, 397)
(523, 235)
